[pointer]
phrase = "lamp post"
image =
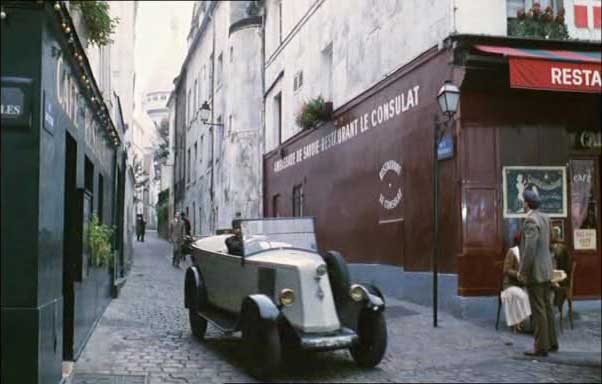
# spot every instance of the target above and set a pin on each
(447, 98)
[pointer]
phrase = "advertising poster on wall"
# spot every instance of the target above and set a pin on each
(548, 182)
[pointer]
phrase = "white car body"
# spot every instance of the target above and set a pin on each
(229, 281)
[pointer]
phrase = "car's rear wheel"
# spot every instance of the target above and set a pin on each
(261, 343)
(198, 324)
(369, 350)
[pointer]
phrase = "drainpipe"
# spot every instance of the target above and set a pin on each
(211, 128)
(261, 135)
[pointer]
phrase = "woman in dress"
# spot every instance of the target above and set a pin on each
(514, 296)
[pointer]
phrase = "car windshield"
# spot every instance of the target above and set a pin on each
(263, 234)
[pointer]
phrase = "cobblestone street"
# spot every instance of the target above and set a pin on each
(144, 336)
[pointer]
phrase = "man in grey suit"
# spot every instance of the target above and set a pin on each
(536, 272)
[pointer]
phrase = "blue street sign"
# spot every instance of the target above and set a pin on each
(445, 150)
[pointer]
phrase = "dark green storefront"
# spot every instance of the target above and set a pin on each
(61, 161)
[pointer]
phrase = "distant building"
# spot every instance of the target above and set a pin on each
(155, 106)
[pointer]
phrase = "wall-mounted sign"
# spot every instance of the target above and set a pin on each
(584, 239)
(548, 182)
(445, 150)
(555, 75)
(390, 176)
(16, 101)
(48, 115)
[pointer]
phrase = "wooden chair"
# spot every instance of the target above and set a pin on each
(499, 265)
(569, 297)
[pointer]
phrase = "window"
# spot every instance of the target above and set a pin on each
(277, 118)
(298, 81)
(220, 69)
(298, 200)
(231, 54)
(204, 83)
(188, 109)
(101, 189)
(201, 149)
(279, 21)
(196, 97)
(276, 206)
(219, 139)
(195, 161)
(188, 164)
(327, 73)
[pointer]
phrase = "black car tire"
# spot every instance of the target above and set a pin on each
(338, 274)
(369, 350)
(198, 324)
(261, 342)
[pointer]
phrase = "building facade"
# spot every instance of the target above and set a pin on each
(218, 162)
(155, 105)
(366, 174)
(64, 161)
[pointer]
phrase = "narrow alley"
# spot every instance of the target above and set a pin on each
(144, 337)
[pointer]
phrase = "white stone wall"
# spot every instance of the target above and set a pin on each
(369, 39)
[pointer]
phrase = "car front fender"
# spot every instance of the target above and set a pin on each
(194, 288)
(268, 311)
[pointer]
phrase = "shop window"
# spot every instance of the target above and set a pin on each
(584, 204)
(298, 200)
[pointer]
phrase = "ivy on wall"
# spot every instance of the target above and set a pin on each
(98, 22)
(100, 243)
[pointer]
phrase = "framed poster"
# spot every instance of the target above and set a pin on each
(548, 182)
(558, 225)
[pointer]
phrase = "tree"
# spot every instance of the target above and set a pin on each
(162, 151)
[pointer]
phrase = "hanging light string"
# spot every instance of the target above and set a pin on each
(86, 77)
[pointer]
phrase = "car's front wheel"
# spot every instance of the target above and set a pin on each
(261, 343)
(198, 324)
(369, 350)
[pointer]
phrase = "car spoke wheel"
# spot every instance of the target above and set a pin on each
(261, 344)
(198, 324)
(369, 350)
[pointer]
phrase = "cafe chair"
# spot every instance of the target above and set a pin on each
(569, 297)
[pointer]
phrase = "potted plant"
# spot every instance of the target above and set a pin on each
(96, 24)
(538, 23)
(100, 243)
(314, 111)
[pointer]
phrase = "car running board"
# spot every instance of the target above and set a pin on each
(224, 321)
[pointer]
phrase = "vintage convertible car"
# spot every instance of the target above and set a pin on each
(282, 294)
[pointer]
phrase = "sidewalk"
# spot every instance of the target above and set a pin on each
(144, 337)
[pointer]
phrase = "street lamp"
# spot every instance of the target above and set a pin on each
(205, 111)
(447, 98)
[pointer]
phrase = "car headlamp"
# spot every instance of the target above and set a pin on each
(358, 293)
(287, 297)
(321, 270)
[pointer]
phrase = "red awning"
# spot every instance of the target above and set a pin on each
(573, 71)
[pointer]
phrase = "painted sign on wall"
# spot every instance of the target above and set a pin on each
(548, 182)
(16, 101)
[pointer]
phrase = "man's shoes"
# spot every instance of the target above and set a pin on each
(536, 353)
(554, 348)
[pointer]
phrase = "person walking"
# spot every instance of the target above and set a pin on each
(142, 229)
(177, 233)
(138, 227)
(535, 271)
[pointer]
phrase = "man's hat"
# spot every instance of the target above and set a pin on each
(531, 198)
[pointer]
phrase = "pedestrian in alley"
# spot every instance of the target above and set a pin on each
(138, 227)
(535, 272)
(177, 233)
(514, 296)
(142, 229)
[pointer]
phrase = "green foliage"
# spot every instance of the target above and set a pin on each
(99, 24)
(100, 243)
(312, 112)
(161, 153)
(538, 23)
